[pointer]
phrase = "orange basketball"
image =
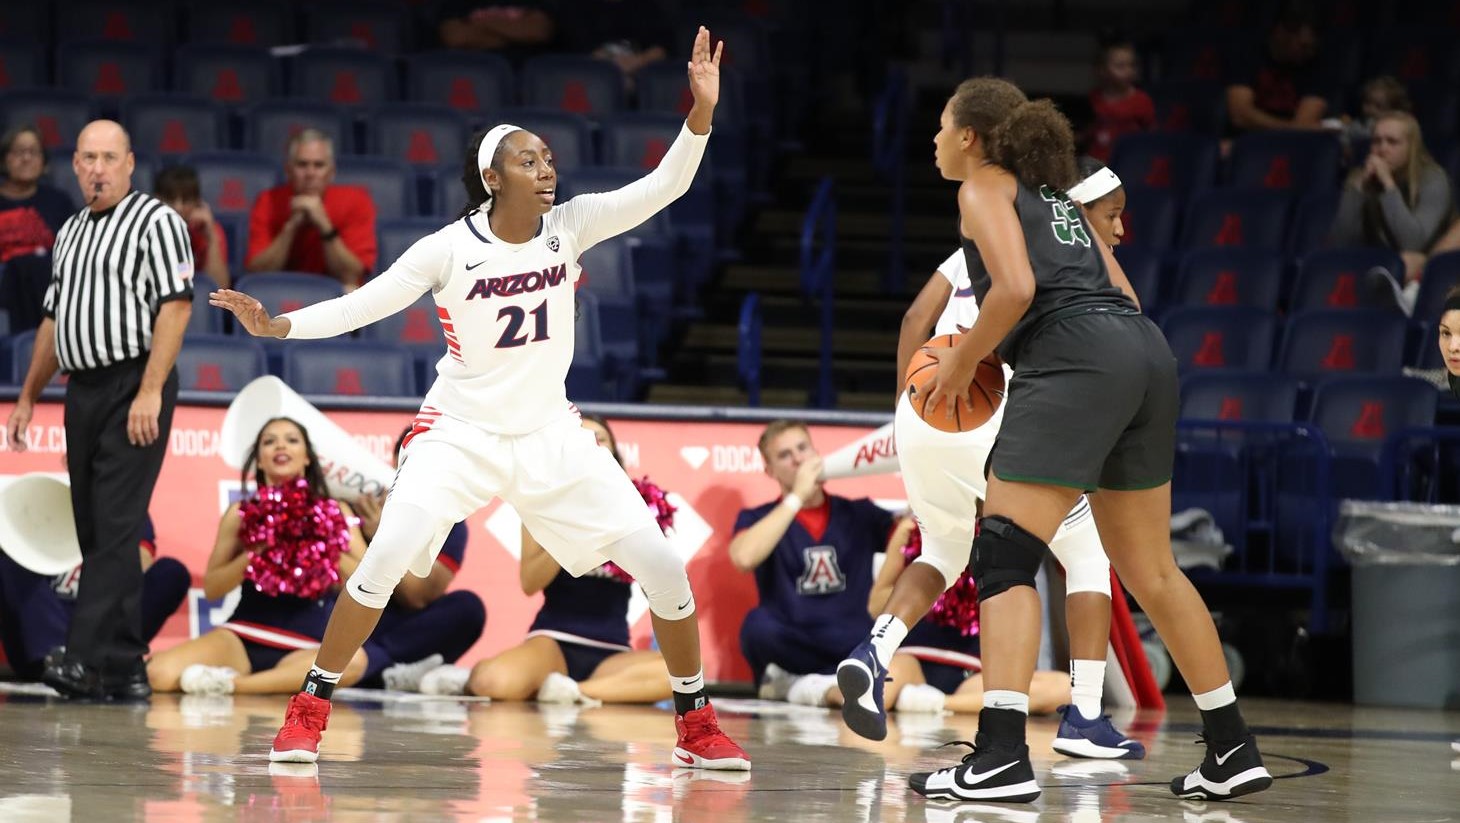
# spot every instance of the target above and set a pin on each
(988, 389)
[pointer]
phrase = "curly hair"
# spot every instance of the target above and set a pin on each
(981, 103)
(1036, 144)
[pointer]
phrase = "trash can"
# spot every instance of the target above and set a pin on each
(1406, 601)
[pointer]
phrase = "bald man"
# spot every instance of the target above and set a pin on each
(120, 297)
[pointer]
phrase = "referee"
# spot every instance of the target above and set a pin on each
(119, 300)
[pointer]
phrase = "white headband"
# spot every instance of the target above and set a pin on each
(1094, 187)
(489, 145)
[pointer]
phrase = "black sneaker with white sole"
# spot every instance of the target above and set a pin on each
(986, 773)
(1231, 769)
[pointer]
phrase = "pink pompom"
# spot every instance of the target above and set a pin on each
(958, 606)
(658, 503)
(296, 540)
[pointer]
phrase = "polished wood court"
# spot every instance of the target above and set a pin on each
(391, 757)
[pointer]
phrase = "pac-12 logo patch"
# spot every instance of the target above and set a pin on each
(552, 242)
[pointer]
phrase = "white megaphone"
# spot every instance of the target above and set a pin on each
(875, 453)
(37, 528)
(349, 468)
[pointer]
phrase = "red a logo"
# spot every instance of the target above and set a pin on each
(1211, 354)
(1231, 409)
(117, 27)
(347, 381)
(50, 130)
(1230, 234)
(226, 87)
(1279, 173)
(575, 98)
(1345, 291)
(1159, 174)
(417, 328)
(210, 378)
(231, 195)
(175, 138)
(109, 79)
(364, 32)
(422, 149)
(241, 31)
(1224, 290)
(1370, 425)
(654, 151)
(1340, 355)
(463, 94)
(346, 88)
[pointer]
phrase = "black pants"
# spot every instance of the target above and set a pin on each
(111, 485)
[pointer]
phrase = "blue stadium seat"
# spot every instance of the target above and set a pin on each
(1254, 397)
(1312, 222)
(662, 88)
(391, 184)
(426, 136)
(1150, 218)
(358, 368)
(272, 123)
(108, 70)
(251, 23)
(1437, 107)
(345, 77)
(1331, 342)
(204, 320)
(395, 236)
(568, 135)
(1180, 163)
(1441, 274)
(417, 329)
(471, 83)
(1357, 415)
(26, 21)
(231, 75)
(381, 27)
(221, 363)
(586, 377)
(1142, 268)
(60, 115)
(1246, 219)
(1414, 54)
(1199, 54)
(638, 140)
(22, 64)
(608, 274)
(1288, 161)
(235, 234)
(286, 291)
(572, 84)
(4, 324)
(172, 125)
(1229, 277)
(1195, 106)
(1334, 278)
(232, 181)
(22, 346)
(448, 196)
(115, 21)
(1220, 337)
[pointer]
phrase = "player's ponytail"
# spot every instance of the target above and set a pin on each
(471, 176)
(1036, 144)
(981, 103)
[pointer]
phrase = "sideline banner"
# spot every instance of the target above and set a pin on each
(711, 470)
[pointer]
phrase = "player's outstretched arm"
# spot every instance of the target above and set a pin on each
(704, 81)
(250, 312)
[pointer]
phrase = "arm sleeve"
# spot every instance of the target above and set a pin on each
(422, 268)
(358, 230)
(1412, 230)
(954, 269)
(593, 218)
(170, 256)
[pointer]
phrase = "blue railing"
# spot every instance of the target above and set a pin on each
(1419, 465)
(889, 158)
(1269, 487)
(747, 347)
(818, 265)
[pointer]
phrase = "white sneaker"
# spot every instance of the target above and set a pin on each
(1456, 746)
(920, 698)
(811, 689)
(406, 677)
(200, 679)
(445, 681)
(776, 683)
(559, 688)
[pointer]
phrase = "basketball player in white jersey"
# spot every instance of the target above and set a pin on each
(943, 473)
(497, 421)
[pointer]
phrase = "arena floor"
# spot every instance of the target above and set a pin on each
(393, 757)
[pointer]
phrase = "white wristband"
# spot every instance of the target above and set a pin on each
(792, 501)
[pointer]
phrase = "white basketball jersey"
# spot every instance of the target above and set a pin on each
(962, 307)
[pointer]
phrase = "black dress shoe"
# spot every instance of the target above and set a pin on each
(130, 685)
(74, 680)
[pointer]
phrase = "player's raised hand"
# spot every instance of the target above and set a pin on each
(250, 312)
(704, 69)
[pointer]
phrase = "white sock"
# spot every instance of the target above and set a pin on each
(1087, 686)
(811, 689)
(887, 634)
(1223, 695)
(1002, 699)
(688, 685)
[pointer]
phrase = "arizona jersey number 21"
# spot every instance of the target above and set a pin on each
(514, 335)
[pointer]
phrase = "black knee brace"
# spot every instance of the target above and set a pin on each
(1004, 556)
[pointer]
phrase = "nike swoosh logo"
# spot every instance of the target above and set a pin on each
(691, 681)
(1222, 758)
(685, 604)
(971, 781)
(474, 265)
(688, 760)
(367, 591)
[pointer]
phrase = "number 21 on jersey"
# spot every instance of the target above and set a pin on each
(513, 335)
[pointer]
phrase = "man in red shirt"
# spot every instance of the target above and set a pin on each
(310, 225)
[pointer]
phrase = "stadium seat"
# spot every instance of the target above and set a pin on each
(638, 140)
(1220, 337)
(1331, 342)
(357, 367)
(1358, 414)
(22, 64)
(1195, 106)
(1301, 162)
(232, 75)
(572, 84)
(568, 135)
(395, 236)
(1238, 218)
(1414, 54)
(59, 115)
(608, 274)
(272, 123)
(1253, 397)
(232, 181)
(173, 125)
(252, 23)
(382, 27)
(390, 183)
(448, 196)
(1229, 277)
(471, 83)
(107, 70)
(1180, 163)
(235, 232)
(1437, 107)
(22, 346)
(1142, 268)
(663, 88)
(1199, 54)
(1312, 222)
(26, 21)
(204, 320)
(345, 77)
(115, 21)
(425, 136)
(573, 183)
(1150, 218)
(1441, 273)
(1334, 278)
(286, 291)
(419, 331)
(219, 363)
(586, 377)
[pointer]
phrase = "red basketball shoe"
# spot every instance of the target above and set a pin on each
(304, 721)
(703, 746)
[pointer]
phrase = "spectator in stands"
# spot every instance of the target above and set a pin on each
(812, 557)
(1449, 324)
(631, 34)
(35, 609)
(1119, 107)
(178, 187)
(1280, 87)
(1380, 94)
(309, 224)
(1400, 199)
(31, 212)
(516, 29)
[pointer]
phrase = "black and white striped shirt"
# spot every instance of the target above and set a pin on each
(110, 273)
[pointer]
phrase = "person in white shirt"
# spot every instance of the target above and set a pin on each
(497, 421)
